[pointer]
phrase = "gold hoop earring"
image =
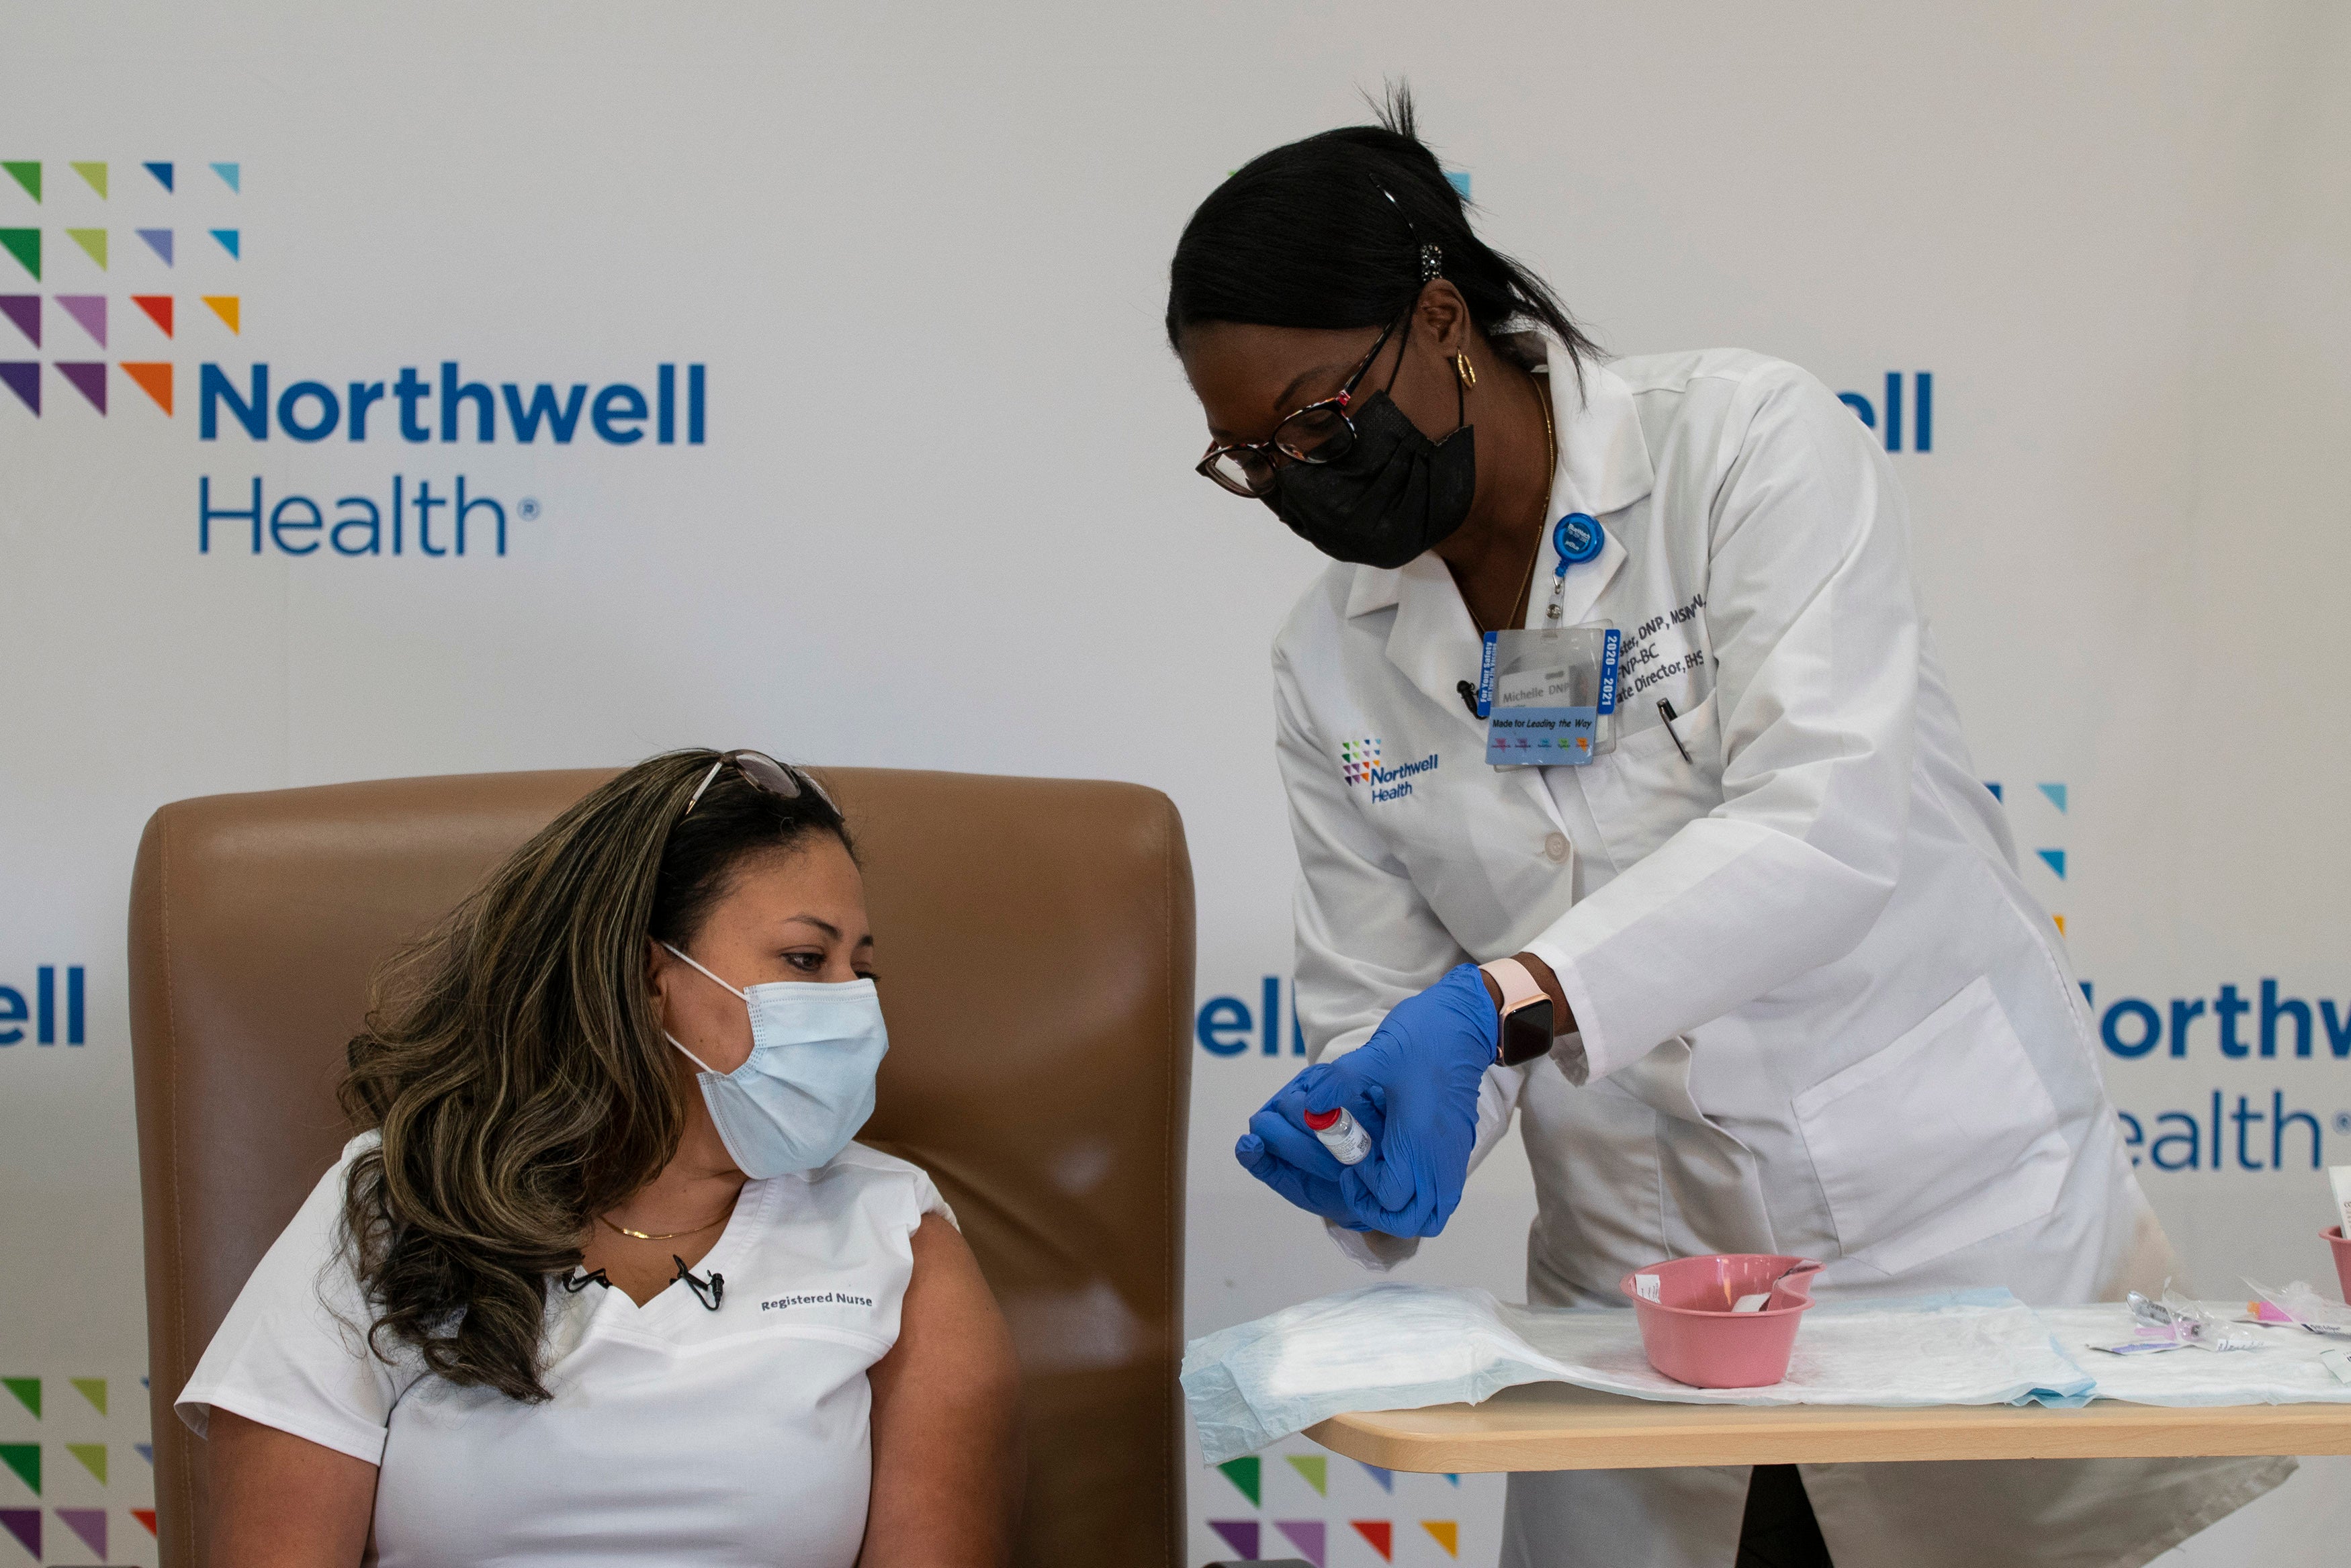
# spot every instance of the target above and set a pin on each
(1461, 367)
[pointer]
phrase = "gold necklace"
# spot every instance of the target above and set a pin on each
(1551, 476)
(665, 1235)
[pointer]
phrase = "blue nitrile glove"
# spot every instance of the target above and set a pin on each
(1429, 1057)
(1413, 1086)
(1279, 1151)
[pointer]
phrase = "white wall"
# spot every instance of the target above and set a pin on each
(944, 514)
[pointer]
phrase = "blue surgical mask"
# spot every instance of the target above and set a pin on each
(807, 1084)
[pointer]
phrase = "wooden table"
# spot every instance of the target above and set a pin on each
(1558, 1427)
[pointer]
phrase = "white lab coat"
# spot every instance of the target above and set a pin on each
(1819, 1012)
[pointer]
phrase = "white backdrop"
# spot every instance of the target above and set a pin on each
(943, 515)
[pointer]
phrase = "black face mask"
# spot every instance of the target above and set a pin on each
(1395, 494)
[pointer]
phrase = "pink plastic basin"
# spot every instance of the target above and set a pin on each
(2342, 1259)
(1692, 1335)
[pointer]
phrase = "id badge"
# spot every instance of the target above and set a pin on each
(1549, 695)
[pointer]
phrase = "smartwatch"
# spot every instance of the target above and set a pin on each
(1526, 1013)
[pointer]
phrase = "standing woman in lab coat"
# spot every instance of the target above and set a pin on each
(1760, 977)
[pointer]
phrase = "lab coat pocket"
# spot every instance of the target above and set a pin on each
(1643, 791)
(1941, 1140)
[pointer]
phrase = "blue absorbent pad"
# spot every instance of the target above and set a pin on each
(1395, 1345)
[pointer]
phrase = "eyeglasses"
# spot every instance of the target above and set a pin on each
(1318, 432)
(761, 772)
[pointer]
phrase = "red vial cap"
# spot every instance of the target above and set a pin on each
(1318, 1120)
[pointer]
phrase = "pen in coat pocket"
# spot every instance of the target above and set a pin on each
(1665, 711)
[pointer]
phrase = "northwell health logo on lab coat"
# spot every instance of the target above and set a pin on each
(1359, 763)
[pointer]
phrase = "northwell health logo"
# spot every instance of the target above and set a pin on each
(434, 402)
(86, 257)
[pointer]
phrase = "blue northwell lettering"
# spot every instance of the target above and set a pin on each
(295, 526)
(311, 411)
(41, 1013)
(1225, 1025)
(1398, 778)
(2132, 1028)
(2181, 1142)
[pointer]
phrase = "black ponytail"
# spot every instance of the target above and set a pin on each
(1325, 233)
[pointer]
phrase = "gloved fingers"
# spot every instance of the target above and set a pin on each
(1294, 1090)
(1285, 1140)
(1388, 1177)
(1347, 1083)
(1410, 1217)
(1309, 1193)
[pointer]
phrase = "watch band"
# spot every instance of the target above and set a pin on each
(1528, 1014)
(1519, 986)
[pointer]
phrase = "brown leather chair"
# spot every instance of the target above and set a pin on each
(1035, 936)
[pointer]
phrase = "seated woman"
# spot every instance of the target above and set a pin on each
(603, 1279)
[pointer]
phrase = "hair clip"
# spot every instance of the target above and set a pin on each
(1432, 262)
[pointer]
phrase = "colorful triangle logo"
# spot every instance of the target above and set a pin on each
(2056, 794)
(24, 245)
(23, 377)
(2054, 859)
(27, 1390)
(1385, 1477)
(92, 1457)
(145, 1516)
(24, 1524)
(88, 311)
(1445, 1532)
(1310, 1536)
(92, 242)
(160, 242)
(227, 238)
(87, 377)
(1379, 1533)
(224, 307)
(24, 1458)
(158, 307)
(1245, 1474)
(154, 378)
(25, 310)
(229, 175)
(162, 173)
(1240, 1534)
(89, 1523)
(27, 174)
(1316, 1469)
(96, 174)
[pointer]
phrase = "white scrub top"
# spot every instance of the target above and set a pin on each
(676, 1434)
(1819, 1012)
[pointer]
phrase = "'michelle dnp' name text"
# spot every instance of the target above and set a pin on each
(415, 410)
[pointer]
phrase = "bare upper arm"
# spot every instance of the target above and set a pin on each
(947, 1467)
(282, 1502)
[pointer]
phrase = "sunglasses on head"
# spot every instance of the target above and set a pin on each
(762, 772)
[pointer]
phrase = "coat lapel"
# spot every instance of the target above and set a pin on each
(1603, 468)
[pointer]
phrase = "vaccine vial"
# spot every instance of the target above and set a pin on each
(1347, 1142)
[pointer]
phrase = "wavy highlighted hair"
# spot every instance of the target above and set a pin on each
(513, 1060)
